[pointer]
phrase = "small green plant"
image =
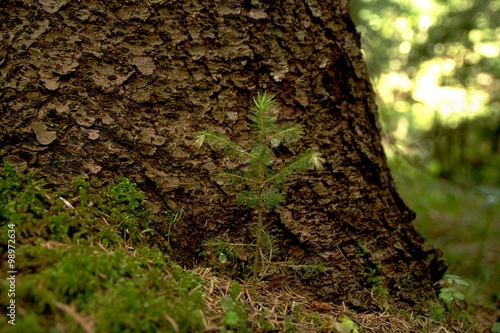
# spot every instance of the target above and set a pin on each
(346, 325)
(361, 250)
(235, 314)
(261, 179)
(451, 295)
(374, 276)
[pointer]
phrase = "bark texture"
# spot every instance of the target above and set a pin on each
(118, 88)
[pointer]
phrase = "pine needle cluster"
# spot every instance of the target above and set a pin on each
(263, 182)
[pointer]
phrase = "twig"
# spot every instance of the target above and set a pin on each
(70, 310)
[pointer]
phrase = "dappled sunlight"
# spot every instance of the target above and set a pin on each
(418, 58)
(452, 103)
(489, 50)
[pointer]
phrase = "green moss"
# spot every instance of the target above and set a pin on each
(437, 311)
(115, 214)
(76, 265)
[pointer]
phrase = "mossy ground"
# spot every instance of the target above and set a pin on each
(86, 261)
(83, 262)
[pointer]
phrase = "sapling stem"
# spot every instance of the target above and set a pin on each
(259, 176)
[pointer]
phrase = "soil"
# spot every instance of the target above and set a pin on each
(119, 88)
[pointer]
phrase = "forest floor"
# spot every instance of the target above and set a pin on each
(287, 309)
(85, 265)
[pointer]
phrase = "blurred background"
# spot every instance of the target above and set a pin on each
(435, 66)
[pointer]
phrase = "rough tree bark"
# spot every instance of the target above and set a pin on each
(118, 88)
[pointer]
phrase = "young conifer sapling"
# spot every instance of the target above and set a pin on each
(261, 179)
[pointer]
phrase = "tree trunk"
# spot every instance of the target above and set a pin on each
(119, 88)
